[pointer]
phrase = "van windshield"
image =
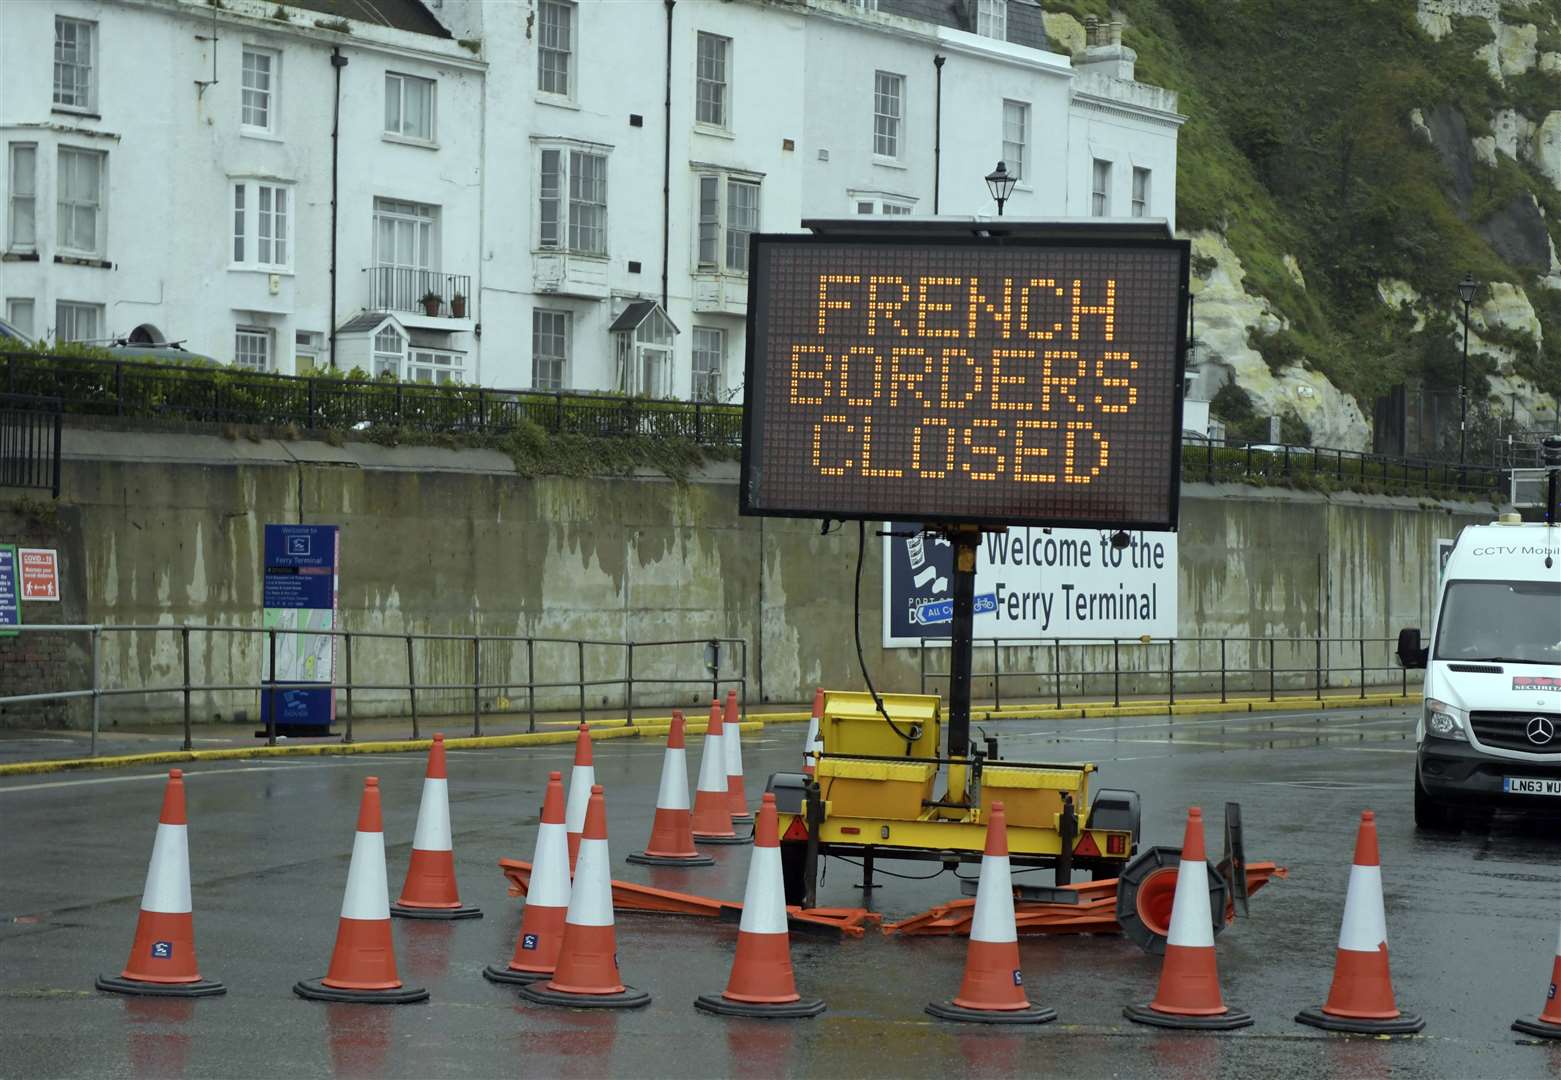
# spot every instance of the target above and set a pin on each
(1518, 622)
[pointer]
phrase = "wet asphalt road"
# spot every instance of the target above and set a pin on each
(1471, 922)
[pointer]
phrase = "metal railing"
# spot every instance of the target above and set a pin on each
(1089, 668)
(403, 288)
(716, 672)
(30, 442)
(1204, 460)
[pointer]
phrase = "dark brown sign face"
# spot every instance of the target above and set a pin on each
(1013, 383)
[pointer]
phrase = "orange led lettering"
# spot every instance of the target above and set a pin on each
(948, 450)
(911, 380)
(1022, 451)
(1073, 456)
(924, 306)
(799, 374)
(1119, 381)
(867, 453)
(946, 402)
(999, 380)
(818, 446)
(1063, 384)
(979, 303)
(845, 372)
(1035, 332)
(888, 308)
(826, 305)
(975, 448)
(1107, 310)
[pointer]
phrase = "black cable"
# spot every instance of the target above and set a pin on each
(890, 873)
(856, 629)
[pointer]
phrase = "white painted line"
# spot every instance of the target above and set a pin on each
(397, 759)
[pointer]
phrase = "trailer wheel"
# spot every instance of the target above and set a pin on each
(794, 856)
(1145, 891)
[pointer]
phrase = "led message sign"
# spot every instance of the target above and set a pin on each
(967, 381)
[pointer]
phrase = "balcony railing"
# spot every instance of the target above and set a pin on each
(402, 288)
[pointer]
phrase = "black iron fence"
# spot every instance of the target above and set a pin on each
(1320, 466)
(401, 288)
(30, 442)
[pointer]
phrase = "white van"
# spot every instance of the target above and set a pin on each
(1490, 730)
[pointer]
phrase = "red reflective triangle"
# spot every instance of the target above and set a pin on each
(796, 830)
(1086, 847)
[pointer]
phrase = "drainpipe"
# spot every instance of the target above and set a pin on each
(937, 134)
(666, 164)
(338, 61)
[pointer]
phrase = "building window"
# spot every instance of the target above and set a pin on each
(708, 382)
(430, 366)
(1016, 130)
(577, 221)
(406, 254)
(1100, 199)
(711, 89)
(1140, 192)
(308, 347)
(992, 19)
(262, 225)
(864, 5)
(77, 322)
(252, 348)
(888, 108)
(887, 205)
(409, 107)
(73, 41)
(555, 48)
(80, 201)
(19, 313)
(259, 89)
(23, 188)
(725, 224)
(389, 348)
(550, 331)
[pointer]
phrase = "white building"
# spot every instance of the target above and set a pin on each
(585, 172)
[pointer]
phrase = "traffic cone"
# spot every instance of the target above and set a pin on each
(761, 983)
(712, 822)
(1361, 997)
(162, 957)
(547, 899)
(581, 778)
(813, 745)
(1189, 993)
(736, 797)
(993, 989)
(363, 964)
(587, 971)
(429, 891)
(1548, 1026)
(671, 836)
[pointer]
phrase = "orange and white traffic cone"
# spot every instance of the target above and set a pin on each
(712, 823)
(1189, 992)
(587, 972)
(671, 835)
(363, 963)
(993, 988)
(736, 797)
(761, 983)
(547, 899)
(813, 745)
(581, 778)
(162, 957)
(429, 891)
(1361, 997)
(1548, 1026)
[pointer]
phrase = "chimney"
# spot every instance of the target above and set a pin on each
(1104, 53)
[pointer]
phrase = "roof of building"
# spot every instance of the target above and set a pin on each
(637, 312)
(365, 321)
(1024, 18)
(409, 15)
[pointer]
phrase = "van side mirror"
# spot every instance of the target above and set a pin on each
(1411, 654)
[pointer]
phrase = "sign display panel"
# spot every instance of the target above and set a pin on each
(988, 382)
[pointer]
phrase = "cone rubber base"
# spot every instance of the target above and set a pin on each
(402, 911)
(722, 839)
(316, 990)
(118, 984)
(629, 998)
(497, 974)
(1538, 1027)
(1225, 1021)
(786, 1010)
(742, 819)
(646, 859)
(1035, 1014)
(1403, 1024)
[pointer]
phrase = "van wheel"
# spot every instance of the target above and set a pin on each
(1430, 814)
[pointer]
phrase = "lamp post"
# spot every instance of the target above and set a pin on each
(1466, 290)
(1001, 184)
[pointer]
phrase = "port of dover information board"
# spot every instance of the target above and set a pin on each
(981, 381)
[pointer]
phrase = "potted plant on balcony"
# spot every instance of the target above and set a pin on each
(458, 306)
(431, 302)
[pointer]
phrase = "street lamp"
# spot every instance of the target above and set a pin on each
(1466, 290)
(1001, 185)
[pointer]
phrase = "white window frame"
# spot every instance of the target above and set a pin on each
(67, 207)
(568, 228)
(435, 363)
(75, 78)
(396, 85)
(713, 82)
(267, 97)
(992, 19)
(15, 197)
(73, 311)
(888, 116)
(714, 250)
(1142, 181)
(250, 342)
(708, 383)
(1016, 151)
(565, 322)
(881, 204)
(13, 306)
(384, 360)
(308, 344)
(1100, 188)
(570, 12)
(263, 222)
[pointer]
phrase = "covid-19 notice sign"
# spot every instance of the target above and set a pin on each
(978, 381)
